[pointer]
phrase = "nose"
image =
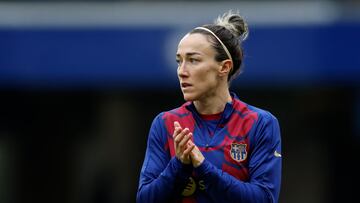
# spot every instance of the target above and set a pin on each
(182, 71)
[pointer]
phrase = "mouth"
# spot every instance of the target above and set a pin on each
(185, 85)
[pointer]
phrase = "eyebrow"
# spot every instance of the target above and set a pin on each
(190, 54)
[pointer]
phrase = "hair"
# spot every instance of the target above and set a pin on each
(232, 30)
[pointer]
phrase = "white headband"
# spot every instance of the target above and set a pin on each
(222, 44)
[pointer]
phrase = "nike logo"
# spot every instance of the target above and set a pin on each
(277, 154)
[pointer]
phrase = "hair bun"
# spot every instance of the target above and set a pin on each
(235, 23)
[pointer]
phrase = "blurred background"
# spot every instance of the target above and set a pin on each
(81, 81)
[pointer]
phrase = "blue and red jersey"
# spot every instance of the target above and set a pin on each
(242, 150)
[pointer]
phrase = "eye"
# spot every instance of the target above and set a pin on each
(178, 62)
(194, 60)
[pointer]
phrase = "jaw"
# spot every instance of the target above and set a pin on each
(188, 97)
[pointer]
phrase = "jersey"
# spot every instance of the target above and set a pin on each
(242, 151)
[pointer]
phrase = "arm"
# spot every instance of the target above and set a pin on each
(264, 169)
(160, 174)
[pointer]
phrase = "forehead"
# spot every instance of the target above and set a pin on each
(197, 43)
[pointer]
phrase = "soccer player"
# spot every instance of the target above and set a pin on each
(213, 148)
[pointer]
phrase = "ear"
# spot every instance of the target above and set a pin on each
(225, 67)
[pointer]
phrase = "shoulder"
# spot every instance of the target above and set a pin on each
(263, 115)
(267, 128)
(165, 119)
(170, 113)
(176, 112)
(260, 114)
(265, 125)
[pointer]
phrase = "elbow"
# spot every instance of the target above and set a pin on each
(268, 196)
(259, 194)
(143, 196)
(140, 196)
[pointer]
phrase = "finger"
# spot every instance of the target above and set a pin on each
(195, 150)
(177, 124)
(177, 127)
(185, 139)
(177, 130)
(196, 153)
(189, 149)
(180, 136)
(192, 143)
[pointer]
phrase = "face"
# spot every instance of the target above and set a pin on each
(198, 71)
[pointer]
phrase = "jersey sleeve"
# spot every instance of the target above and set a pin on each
(264, 169)
(161, 177)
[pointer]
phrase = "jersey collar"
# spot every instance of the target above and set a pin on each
(228, 110)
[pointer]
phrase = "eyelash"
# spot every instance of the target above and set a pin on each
(191, 60)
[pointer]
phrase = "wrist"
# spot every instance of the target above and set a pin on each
(184, 161)
(198, 163)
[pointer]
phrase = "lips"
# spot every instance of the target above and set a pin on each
(184, 85)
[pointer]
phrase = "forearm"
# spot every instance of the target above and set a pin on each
(167, 185)
(219, 182)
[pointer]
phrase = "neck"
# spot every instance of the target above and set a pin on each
(212, 104)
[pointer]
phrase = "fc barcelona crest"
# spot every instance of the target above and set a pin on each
(238, 151)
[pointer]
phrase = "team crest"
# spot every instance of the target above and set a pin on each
(238, 152)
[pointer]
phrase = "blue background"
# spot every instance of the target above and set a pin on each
(121, 57)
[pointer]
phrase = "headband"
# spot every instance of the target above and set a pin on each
(222, 44)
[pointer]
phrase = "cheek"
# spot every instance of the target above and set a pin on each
(211, 74)
(207, 79)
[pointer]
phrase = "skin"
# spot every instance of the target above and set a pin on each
(203, 80)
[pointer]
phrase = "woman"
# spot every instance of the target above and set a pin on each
(213, 148)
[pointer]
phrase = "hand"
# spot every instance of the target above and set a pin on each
(197, 158)
(181, 143)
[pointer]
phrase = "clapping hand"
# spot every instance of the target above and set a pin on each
(186, 151)
(181, 143)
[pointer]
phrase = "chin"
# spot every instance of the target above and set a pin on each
(189, 97)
